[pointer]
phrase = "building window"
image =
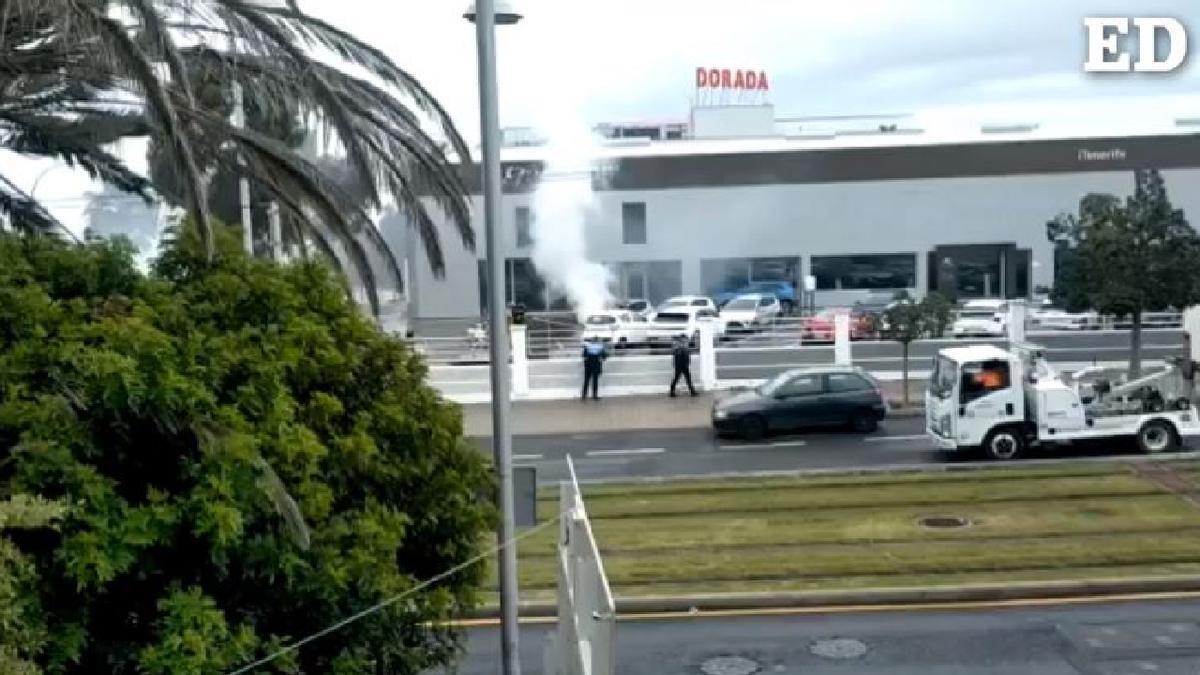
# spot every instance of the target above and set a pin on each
(865, 272)
(633, 222)
(524, 235)
(724, 278)
(654, 280)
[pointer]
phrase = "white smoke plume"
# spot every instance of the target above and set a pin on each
(562, 203)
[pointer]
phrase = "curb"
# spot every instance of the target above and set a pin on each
(872, 599)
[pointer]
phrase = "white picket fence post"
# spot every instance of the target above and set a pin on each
(520, 361)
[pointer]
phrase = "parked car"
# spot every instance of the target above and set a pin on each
(822, 326)
(684, 320)
(640, 307)
(620, 328)
(783, 291)
(687, 301)
(746, 312)
(1057, 319)
(802, 398)
(981, 318)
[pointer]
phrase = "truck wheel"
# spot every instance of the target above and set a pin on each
(1004, 444)
(752, 428)
(1156, 436)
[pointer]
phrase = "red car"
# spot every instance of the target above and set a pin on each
(821, 327)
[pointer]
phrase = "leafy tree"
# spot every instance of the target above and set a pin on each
(939, 313)
(22, 630)
(79, 74)
(246, 457)
(1127, 257)
(905, 320)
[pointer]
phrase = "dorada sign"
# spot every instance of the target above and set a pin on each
(725, 78)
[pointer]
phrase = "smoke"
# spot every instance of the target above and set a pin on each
(562, 202)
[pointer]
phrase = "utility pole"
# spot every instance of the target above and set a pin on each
(485, 16)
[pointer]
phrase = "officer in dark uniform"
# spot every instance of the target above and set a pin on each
(681, 356)
(594, 354)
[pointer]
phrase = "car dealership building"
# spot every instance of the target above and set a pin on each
(867, 205)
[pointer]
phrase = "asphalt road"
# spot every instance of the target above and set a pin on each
(1116, 638)
(691, 452)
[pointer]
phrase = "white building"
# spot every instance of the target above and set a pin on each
(868, 205)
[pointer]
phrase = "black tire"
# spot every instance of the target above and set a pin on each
(863, 422)
(1004, 444)
(752, 428)
(1157, 436)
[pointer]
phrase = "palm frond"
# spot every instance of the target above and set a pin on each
(26, 214)
(131, 56)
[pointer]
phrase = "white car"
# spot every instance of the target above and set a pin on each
(745, 312)
(620, 328)
(638, 307)
(685, 301)
(981, 318)
(1057, 319)
(685, 321)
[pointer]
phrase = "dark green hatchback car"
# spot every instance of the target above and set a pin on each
(825, 396)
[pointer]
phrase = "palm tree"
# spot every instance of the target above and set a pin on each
(76, 75)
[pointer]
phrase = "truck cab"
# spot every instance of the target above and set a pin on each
(973, 400)
(1004, 401)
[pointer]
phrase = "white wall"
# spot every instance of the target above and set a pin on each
(900, 216)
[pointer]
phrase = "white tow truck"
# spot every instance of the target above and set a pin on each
(1005, 401)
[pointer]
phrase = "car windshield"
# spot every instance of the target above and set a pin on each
(941, 381)
(601, 320)
(671, 317)
(977, 313)
(742, 303)
(675, 303)
(767, 388)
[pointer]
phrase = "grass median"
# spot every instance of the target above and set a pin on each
(855, 532)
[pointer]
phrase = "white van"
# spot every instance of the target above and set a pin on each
(982, 318)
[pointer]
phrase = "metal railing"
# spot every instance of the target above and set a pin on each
(582, 641)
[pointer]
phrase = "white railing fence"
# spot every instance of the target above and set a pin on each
(582, 642)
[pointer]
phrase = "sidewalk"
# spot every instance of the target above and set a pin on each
(623, 413)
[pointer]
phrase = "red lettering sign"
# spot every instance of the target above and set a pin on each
(726, 78)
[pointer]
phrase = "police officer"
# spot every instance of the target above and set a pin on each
(594, 354)
(681, 355)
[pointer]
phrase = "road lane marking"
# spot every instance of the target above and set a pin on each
(884, 439)
(760, 446)
(526, 458)
(626, 451)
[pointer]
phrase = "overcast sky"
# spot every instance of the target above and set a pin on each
(618, 60)
(632, 60)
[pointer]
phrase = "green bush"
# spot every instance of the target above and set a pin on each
(243, 459)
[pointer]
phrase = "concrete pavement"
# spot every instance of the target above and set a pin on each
(617, 413)
(1159, 637)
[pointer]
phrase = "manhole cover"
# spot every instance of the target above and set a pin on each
(943, 522)
(841, 648)
(729, 665)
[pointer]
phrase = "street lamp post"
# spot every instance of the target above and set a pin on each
(486, 14)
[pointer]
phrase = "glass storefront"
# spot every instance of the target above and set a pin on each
(522, 285)
(725, 276)
(980, 271)
(865, 272)
(653, 280)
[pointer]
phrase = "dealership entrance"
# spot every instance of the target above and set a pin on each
(964, 272)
